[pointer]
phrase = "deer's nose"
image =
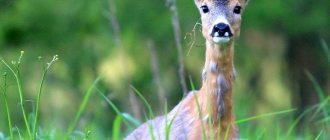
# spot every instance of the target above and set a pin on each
(221, 30)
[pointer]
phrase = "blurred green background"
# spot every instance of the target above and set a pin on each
(281, 41)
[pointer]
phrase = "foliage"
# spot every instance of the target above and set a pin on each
(279, 60)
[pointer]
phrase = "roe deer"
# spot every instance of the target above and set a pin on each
(206, 113)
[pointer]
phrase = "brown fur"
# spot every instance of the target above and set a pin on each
(214, 98)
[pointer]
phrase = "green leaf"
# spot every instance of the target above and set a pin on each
(116, 133)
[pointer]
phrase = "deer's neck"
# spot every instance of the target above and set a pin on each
(218, 78)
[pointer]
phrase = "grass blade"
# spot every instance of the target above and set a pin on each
(294, 124)
(123, 115)
(191, 83)
(261, 134)
(265, 115)
(167, 130)
(7, 107)
(317, 87)
(200, 116)
(324, 120)
(150, 127)
(169, 126)
(227, 132)
(320, 93)
(326, 49)
(219, 130)
(151, 130)
(116, 135)
(19, 133)
(198, 108)
(81, 108)
(131, 119)
(20, 91)
(55, 58)
(145, 101)
(319, 135)
(278, 132)
(38, 104)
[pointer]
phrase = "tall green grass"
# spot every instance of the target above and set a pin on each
(45, 70)
(317, 115)
(82, 108)
(4, 93)
(14, 69)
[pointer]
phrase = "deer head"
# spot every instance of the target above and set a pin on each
(221, 19)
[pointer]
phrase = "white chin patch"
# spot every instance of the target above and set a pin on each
(221, 39)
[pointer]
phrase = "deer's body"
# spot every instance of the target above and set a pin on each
(208, 111)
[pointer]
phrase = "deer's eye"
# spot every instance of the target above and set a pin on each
(205, 9)
(237, 9)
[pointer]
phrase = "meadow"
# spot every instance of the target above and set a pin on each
(97, 69)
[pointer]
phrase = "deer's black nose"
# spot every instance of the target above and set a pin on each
(221, 30)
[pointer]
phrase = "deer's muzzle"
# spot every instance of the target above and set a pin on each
(221, 33)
